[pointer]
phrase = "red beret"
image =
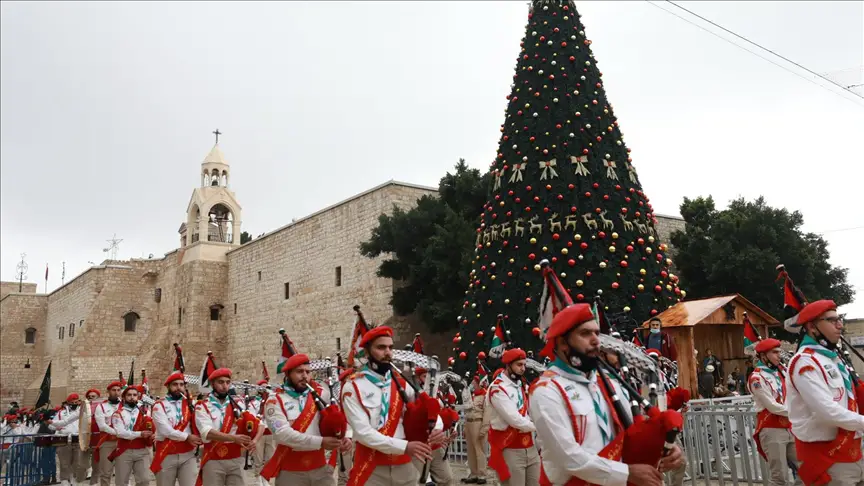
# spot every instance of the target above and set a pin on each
(177, 375)
(219, 374)
(420, 371)
(766, 345)
(451, 398)
(565, 320)
(346, 373)
(654, 353)
(137, 388)
(374, 334)
(72, 397)
(295, 361)
(512, 355)
(815, 309)
(93, 390)
(262, 382)
(118, 384)
(10, 417)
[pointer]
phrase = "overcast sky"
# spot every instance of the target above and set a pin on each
(108, 108)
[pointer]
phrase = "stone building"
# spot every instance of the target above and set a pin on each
(210, 294)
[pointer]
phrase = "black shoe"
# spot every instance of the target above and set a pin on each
(480, 480)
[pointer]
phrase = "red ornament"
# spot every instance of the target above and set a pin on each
(548, 187)
(601, 235)
(583, 245)
(481, 355)
(570, 186)
(580, 297)
(451, 361)
(595, 185)
(640, 241)
(605, 197)
(624, 263)
(463, 355)
(531, 256)
(528, 188)
(664, 274)
(658, 288)
(556, 236)
(614, 285)
(479, 334)
(536, 331)
(629, 248)
(571, 262)
(588, 273)
(573, 209)
(527, 300)
(587, 194)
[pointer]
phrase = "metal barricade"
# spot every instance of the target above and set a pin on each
(25, 463)
(718, 443)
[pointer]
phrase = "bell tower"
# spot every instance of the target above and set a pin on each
(213, 215)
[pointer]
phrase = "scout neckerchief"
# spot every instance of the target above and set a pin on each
(596, 396)
(219, 405)
(775, 375)
(178, 408)
(384, 385)
(133, 412)
(520, 394)
(299, 396)
(818, 348)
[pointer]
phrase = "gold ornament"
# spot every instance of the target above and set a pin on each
(564, 251)
(579, 283)
(648, 250)
(614, 235)
(602, 264)
(651, 239)
(506, 301)
(533, 241)
(545, 248)
(669, 288)
(527, 284)
(640, 287)
(642, 271)
(626, 308)
(492, 277)
(683, 293)
(536, 268)
(612, 248)
(577, 237)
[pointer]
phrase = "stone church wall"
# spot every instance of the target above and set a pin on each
(7, 288)
(304, 256)
(19, 312)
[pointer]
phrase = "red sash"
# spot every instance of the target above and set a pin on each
(164, 448)
(818, 457)
(287, 459)
(142, 423)
(367, 459)
(768, 420)
(613, 450)
(509, 438)
(103, 438)
(222, 450)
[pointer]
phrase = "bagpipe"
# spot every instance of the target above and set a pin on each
(332, 421)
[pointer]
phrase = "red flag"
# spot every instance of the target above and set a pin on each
(793, 298)
(179, 363)
(287, 350)
(417, 345)
(751, 336)
(636, 340)
(553, 299)
(206, 370)
(360, 330)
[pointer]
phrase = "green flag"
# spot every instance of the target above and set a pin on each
(44, 389)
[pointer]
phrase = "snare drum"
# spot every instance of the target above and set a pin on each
(51, 441)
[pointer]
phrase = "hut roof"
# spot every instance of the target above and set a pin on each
(693, 312)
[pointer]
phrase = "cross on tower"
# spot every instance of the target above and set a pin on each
(217, 133)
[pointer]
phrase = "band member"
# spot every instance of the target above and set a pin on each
(223, 426)
(174, 460)
(476, 433)
(70, 457)
(512, 454)
(579, 430)
(773, 438)
(439, 468)
(93, 395)
(107, 441)
(826, 420)
(266, 447)
(134, 439)
(347, 457)
(294, 418)
(374, 406)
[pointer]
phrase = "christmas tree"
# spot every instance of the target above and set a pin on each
(564, 190)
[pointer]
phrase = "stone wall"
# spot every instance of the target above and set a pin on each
(19, 312)
(7, 288)
(304, 255)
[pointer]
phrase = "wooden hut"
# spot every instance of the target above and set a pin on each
(715, 323)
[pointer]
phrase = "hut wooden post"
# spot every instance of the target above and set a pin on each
(687, 376)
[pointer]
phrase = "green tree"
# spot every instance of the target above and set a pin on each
(564, 190)
(428, 248)
(737, 250)
(245, 237)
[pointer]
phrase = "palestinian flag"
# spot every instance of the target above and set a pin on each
(417, 345)
(288, 350)
(636, 340)
(208, 368)
(553, 299)
(360, 330)
(499, 339)
(600, 315)
(179, 363)
(793, 301)
(44, 389)
(751, 336)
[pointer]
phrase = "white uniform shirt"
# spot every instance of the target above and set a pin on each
(66, 421)
(563, 457)
(506, 403)
(366, 426)
(210, 417)
(102, 416)
(818, 408)
(342, 388)
(123, 420)
(167, 413)
(767, 390)
(281, 422)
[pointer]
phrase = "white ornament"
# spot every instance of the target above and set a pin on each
(535, 115)
(549, 43)
(587, 63)
(555, 100)
(599, 291)
(554, 63)
(534, 33)
(572, 37)
(540, 72)
(572, 135)
(583, 78)
(587, 125)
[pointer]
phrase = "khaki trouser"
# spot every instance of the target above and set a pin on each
(850, 474)
(476, 448)
(348, 462)
(264, 450)
(90, 458)
(104, 468)
(676, 476)
(178, 467)
(227, 472)
(524, 467)
(133, 461)
(403, 475)
(72, 462)
(323, 476)
(779, 447)
(438, 469)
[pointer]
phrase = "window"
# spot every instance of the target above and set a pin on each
(72, 330)
(235, 307)
(179, 316)
(215, 310)
(259, 275)
(338, 276)
(130, 321)
(287, 290)
(30, 336)
(339, 344)
(80, 323)
(157, 295)
(60, 333)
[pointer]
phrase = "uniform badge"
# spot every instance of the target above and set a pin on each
(833, 373)
(368, 395)
(757, 384)
(271, 412)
